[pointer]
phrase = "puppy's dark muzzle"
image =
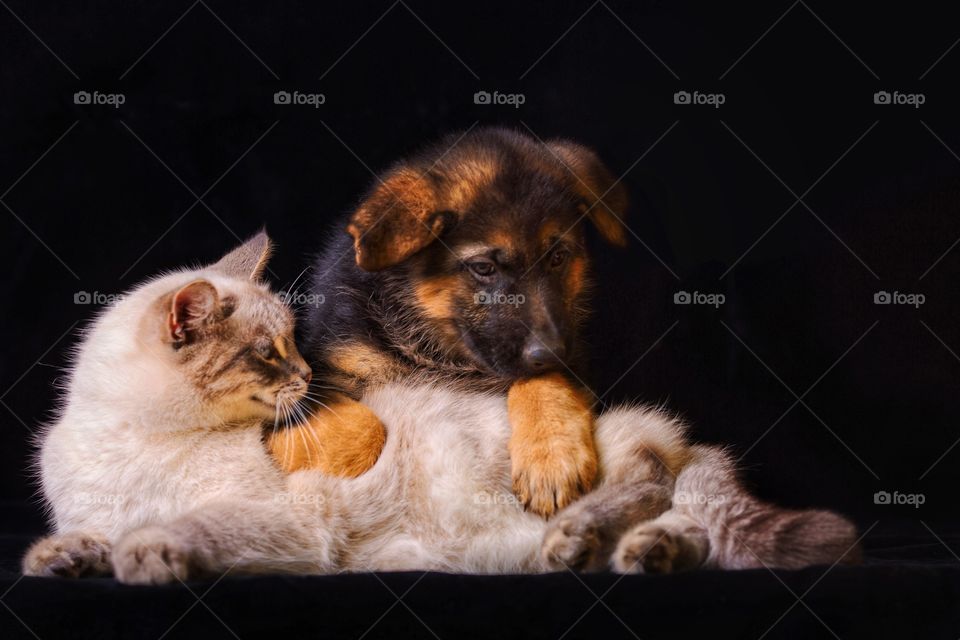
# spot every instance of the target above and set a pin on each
(543, 353)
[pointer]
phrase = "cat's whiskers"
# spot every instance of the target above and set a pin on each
(292, 293)
(297, 279)
(288, 447)
(276, 425)
(306, 446)
(294, 416)
(323, 405)
(304, 416)
(314, 385)
(317, 397)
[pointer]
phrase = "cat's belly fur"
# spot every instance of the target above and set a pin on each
(440, 495)
(119, 478)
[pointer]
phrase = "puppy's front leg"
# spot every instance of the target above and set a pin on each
(343, 438)
(552, 451)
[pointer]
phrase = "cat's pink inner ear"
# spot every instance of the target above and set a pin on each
(192, 307)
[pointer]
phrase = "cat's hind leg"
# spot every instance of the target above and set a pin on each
(69, 555)
(640, 451)
(669, 543)
(716, 522)
(583, 535)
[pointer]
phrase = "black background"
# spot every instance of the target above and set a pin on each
(97, 198)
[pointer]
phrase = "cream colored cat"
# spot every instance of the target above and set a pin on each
(156, 470)
(162, 423)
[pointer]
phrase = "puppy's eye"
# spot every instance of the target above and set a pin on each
(483, 268)
(558, 257)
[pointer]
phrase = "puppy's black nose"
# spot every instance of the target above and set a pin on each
(542, 355)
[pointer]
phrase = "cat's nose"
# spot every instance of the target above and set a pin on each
(307, 375)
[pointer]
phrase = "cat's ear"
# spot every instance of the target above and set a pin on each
(248, 260)
(192, 307)
(603, 198)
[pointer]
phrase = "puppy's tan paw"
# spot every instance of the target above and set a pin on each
(552, 452)
(70, 555)
(547, 479)
(344, 439)
(152, 556)
(572, 541)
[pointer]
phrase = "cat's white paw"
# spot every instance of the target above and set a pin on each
(69, 555)
(572, 541)
(152, 555)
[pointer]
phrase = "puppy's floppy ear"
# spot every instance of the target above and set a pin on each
(248, 260)
(399, 218)
(593, 181)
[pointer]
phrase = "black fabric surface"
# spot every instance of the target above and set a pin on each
(799, 199)
(908, 588)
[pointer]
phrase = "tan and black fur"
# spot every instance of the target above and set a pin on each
(467, 264)
(156, 471)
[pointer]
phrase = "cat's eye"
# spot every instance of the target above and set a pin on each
(267, 351)
(482, 268)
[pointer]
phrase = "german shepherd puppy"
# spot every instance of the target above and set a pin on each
(469, 267)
